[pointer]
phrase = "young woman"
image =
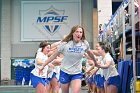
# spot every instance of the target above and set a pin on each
(73, 47)
(52, 77)
(90, 78)
(112, 79)
(98, 85)
(98, 77)
(54, 70)
(40, 82)
(99, 80)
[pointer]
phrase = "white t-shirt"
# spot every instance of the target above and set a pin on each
(56, 69)
(100, 71)
(88, 66)
(73, 54)
(111, 70)
(35, 71)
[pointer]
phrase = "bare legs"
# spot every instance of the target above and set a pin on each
(54, 84)
(75, 86)
(40, 88)
(65, 88)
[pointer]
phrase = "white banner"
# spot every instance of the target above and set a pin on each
(48, 20)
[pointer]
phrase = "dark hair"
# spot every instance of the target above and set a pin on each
(107, 48)
(70, 35)
(43, 44)
(104, 46)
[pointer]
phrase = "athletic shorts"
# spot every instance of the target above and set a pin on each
(99, 80)
(115, 80)
(53, 76)
(66, 78)
(36, 80)
(89, 79)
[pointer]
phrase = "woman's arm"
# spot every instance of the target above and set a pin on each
(91, 55)
(95, 52)
(106, 65)
(57, 61)
(50, 59)
(54, 45)
(39, 61)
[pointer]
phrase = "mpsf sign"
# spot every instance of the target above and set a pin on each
(52, 19)
(48, 20)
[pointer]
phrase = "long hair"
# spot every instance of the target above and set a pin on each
(69, 37)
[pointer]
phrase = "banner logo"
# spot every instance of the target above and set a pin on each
(51, 19)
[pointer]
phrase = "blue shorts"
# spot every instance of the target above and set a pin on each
(115, 80)
(66, 78)
(53, 76)
(99, 80)
(36, 80)
(89, 79)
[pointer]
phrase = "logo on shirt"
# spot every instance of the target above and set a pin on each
(75, 50)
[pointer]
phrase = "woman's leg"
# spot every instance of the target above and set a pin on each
(55, 85)
(40, 88)
(113, 84)
(112, 89)
(94, 88)
(76, 85)
(48, 88)
(100, 90)
(105, 87)
(88, 86)
(65, 88)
